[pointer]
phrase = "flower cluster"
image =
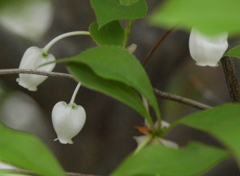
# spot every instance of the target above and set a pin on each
(68, 119)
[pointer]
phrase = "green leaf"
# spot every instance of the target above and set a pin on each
(110, 34)
(112, 88)
(110, 10)
(193, 159)
(128, 2)
(27, 152)
(210, 17)
(234, 52)
(117, 64)
(223, 122)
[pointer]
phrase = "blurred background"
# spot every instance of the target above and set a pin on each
(107, 137)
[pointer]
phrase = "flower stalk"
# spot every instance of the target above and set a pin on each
(69, 34)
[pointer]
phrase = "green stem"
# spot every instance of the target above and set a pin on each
(127, 32)
(143, 144)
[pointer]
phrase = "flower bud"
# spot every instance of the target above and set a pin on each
(207, 50)
(32, 59)
(68, 120)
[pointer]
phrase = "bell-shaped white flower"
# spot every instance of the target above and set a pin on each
(35, 57)
(68, 119)
(207, 50)
(32, 59)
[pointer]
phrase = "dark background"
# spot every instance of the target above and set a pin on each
(107, 137)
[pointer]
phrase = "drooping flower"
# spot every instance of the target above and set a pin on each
(32, 59)
(207, 50)
(35, 57)
(68, 119)
(147, 131)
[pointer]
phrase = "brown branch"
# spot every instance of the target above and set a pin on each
(159, 41)
(180, 99)
(29, 71)
(158, 93)
(231, 78)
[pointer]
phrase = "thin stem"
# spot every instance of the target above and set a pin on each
(180, 99)
(143, 144)
(159, 41)
(49, 45)
(158, 93)
(75, 93)
(231, 78)
(127, 32)
(35, 72)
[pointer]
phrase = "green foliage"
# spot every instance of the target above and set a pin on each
(234, 52)
(222, 122)
(193, 159)
(128, 2)
(210, 17)
(115, 64)
(110, 10)
(112, 88)
(26, 151)
(110, 34)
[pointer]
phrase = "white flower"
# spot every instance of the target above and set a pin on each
(32, 58)
(68, 120)
(147, 131)
(207, 50)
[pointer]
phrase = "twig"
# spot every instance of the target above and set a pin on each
(28, 71)
(180, 99)
(159, 41)
(231, 78)
(158, 93)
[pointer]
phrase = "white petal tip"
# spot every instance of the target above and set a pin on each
(204, 65)
(64, 141)
(27, 87)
